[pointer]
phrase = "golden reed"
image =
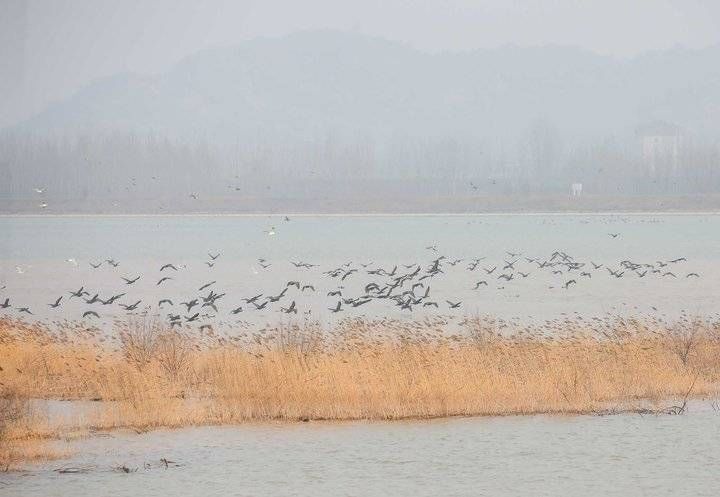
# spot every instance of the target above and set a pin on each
(150, 376)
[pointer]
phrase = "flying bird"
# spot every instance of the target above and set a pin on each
(190, 305)
(292, 309)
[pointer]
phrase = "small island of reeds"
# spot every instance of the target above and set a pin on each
(143, 375)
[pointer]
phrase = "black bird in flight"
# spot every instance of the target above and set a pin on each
(277, 297)
(79, 293)
(57, 303)
(90, 313)
(454, 305)
(95, 298)
(131, 307)
(214, 257)
(112, 299)
(161, 280)
(5, 304)
(168, 266)
(206, 285)
(190, 304)
(252, 300)
(292, 309)
(129, 281)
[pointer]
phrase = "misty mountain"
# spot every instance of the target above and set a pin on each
(312, 84)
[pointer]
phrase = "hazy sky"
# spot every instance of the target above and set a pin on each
(50, 48)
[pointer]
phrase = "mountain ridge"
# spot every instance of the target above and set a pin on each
(316, 82)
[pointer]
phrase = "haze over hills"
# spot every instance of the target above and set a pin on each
(331, 115)
(313, 82)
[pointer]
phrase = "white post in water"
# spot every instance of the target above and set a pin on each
(576, 189)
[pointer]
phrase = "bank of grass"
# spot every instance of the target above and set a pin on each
(149, 376)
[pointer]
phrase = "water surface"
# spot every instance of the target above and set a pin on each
(42, 258)
(619, 455)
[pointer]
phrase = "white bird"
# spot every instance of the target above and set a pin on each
(72, 261)
(39, 190)
(19, 270)
(43, 205)
(271, 232)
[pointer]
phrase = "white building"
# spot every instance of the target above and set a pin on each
(660, 144)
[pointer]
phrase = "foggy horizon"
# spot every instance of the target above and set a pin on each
(54, 49)
(449, 106)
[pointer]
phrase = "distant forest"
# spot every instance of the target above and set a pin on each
(130, 167)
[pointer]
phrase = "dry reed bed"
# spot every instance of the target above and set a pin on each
(152, 376)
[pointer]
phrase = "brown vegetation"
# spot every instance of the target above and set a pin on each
(151, 376)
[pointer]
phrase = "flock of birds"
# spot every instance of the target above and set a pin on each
(352, 285)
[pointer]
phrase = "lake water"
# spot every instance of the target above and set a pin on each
(43, 258)
(623, 455)
(534, 455)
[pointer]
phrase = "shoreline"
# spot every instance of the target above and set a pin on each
(44, 448)
(369, 214)
(367, 203)
(146, 376)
